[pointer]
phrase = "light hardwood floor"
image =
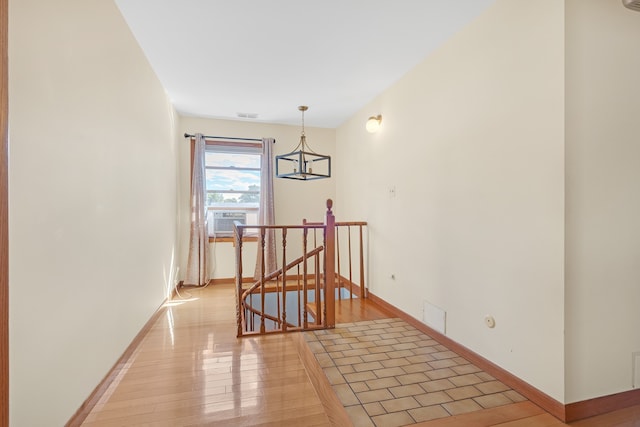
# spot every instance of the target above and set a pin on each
(191, 370)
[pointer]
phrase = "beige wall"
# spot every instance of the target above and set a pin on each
(472, 141)
(603, 208)
(473, 145)
(92, 201)
(294, 200)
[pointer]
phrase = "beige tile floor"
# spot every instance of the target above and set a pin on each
(386, 373)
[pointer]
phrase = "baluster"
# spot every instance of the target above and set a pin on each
(338, 260)
(284, 279)
(350, 266)
(239, 290)
(278, 324)
(318, 289)
(262, 284)
(299, 301)
(252, 325)
(305, 316)
(315, 237)
(363, 293)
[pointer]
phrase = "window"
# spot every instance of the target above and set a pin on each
(232, 185)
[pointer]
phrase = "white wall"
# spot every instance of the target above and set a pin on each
(603, 208)
(92, 201)
(472, 140)
(294, 200)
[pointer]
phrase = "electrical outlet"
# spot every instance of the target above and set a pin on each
(490, 321)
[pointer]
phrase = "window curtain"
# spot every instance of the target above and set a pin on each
(266, 212)
(197, 272)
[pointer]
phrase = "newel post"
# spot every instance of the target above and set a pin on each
(329, 266)
(239, 303)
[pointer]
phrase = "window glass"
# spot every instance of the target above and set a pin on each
(233, 186)
(232, 159)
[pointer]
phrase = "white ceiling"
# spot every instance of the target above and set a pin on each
(218, 58)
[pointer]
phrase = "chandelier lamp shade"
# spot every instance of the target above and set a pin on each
(303, 163)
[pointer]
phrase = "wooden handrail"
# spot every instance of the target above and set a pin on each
(278, 272)
(279, 227)
(306, 223)
(267, 316)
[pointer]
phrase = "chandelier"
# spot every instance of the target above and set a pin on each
(303, 163)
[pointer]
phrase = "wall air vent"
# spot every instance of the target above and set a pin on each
(632, 4)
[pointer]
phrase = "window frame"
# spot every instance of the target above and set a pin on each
(236, 144)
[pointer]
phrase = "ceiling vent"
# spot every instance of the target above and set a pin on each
(255, 115)
(632, 4)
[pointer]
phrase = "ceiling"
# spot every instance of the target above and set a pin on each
(221, 58)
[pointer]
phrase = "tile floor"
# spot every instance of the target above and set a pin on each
(386, 373)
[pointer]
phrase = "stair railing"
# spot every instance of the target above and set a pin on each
(273, 288)
(360, 249)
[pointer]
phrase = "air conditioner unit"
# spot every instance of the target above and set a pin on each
(223, 222)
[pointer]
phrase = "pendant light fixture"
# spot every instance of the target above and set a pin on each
(303, 163)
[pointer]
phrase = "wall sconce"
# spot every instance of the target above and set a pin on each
(373, 123)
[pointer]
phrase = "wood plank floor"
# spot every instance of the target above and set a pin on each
(356, 310)
(191, 370)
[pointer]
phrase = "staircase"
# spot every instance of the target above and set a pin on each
(300, 294)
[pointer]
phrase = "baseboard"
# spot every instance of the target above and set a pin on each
(226, 281)
(601, 405)
(354, 288)
(219, 281)
(87, 406)
(230, 280)
(181, 283)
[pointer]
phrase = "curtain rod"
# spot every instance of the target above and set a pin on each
(186, 135)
